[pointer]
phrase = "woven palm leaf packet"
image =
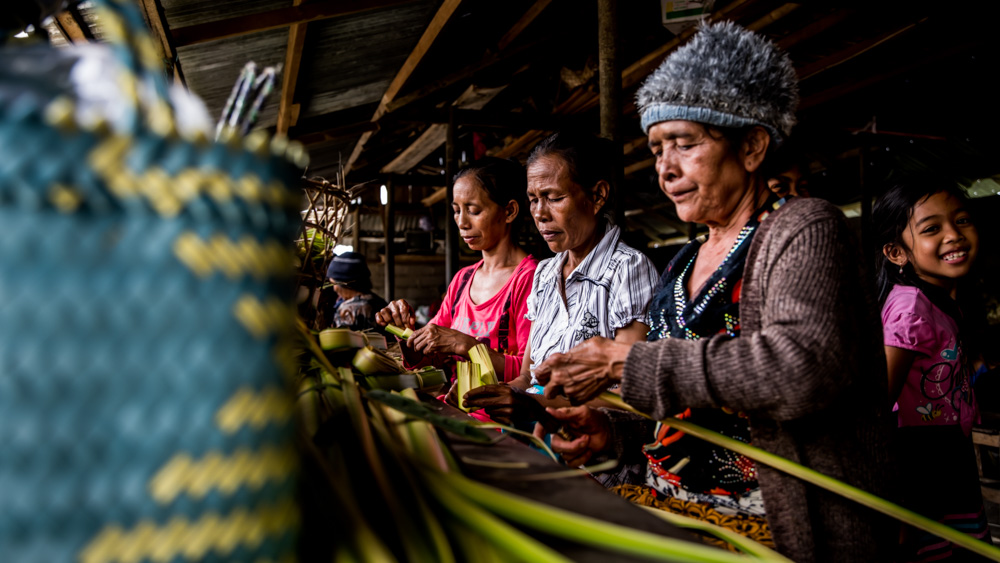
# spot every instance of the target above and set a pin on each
(145, 315)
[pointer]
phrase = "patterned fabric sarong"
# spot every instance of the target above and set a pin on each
(751, 527)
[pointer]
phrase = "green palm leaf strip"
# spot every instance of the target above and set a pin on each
(816, 478)
(587, 531)
(742, 543)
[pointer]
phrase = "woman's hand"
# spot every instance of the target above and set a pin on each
(590, 428)
(434, 339)
(585, 371)
(504, 404)
(398, 313)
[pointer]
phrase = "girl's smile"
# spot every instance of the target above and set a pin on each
(941, 241)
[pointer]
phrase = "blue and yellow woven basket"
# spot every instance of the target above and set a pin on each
(145, 325)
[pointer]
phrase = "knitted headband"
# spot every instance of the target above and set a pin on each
(725, 76)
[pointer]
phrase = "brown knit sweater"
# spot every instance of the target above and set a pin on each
(808, 369)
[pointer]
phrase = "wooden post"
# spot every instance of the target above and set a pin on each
(356, 229)
(610, 84)
(866, 203)
(451, 229)
(390, 234)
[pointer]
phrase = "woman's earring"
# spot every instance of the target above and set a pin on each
(900, 269)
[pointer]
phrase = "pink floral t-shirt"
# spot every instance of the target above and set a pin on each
(938, 390)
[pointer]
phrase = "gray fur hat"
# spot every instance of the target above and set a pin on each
(725, 76)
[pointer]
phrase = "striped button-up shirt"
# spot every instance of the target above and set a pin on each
(608, 290)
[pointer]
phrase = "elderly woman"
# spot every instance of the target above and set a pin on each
(761, 329)
(596, 285)
(485, 302)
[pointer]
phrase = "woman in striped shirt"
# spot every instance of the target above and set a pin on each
(595, 285)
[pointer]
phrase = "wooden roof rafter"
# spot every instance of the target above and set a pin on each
(152, 11)
(471, 98)
(434, 28)
(72, 25)
(288, 110)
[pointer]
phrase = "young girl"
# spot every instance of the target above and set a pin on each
(928, 243)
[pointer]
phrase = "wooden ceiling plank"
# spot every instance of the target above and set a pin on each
(152, 11)
(434, 28)
(841, 57)
(274, 19)
(290, 74)
(69, 28)
(533, 12)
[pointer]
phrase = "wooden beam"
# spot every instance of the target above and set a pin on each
(841, 57)
(642, 165)
(637, 143)
(439, 194)
(274, 19)
(522, 23)
(69, 28)
(436, 135)
(773, 16)
(290, 73)
(815, 28)
(152, 11)
(434, 28)
(335, 133)
(461, 74)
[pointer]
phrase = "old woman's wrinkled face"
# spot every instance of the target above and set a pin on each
(699, 171)
(565, 213)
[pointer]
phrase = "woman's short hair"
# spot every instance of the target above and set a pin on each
(589, 160)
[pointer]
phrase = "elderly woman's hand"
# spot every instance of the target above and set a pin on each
(398, 313)
(504, 404)
(434, 339)
(585, 371)
(589, 427)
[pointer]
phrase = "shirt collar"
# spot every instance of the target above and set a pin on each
(594, 266)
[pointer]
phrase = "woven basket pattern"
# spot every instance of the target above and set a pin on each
(144, 326)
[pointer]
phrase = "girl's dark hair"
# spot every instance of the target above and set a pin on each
(503, 179)
(890, 216)
(589, 159)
